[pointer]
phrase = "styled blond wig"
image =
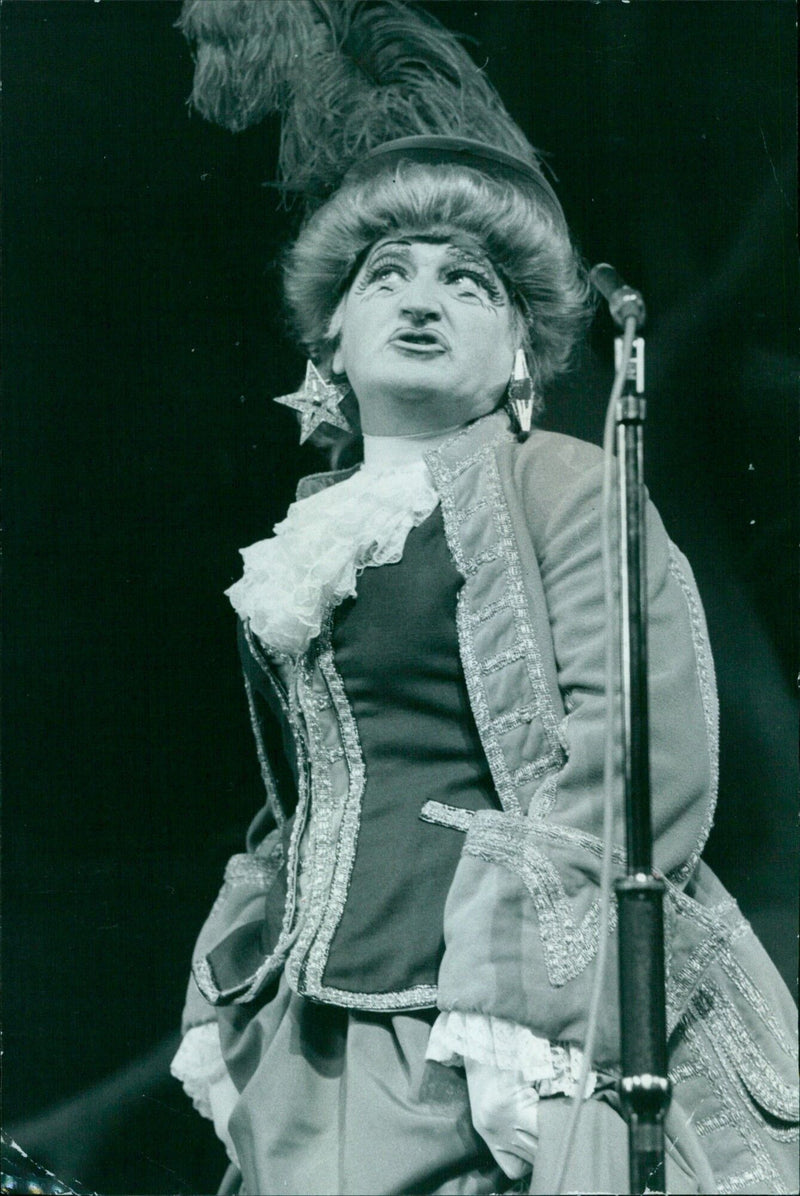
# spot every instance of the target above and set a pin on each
(526, 242)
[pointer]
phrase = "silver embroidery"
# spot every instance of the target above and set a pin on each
(493, 664)
(490, 610)
(700, 1037)
(468, 620)
(263, 762)
(741, 930)
(514, 718)
(680, 988)
(266, 657)
(523, 646)
(751, 1074)
(473, 509)
(525, 630)
(708, 1125)
(567, 946)
(557, 833)
(452, 527)
(708, 695)
(291, 711)
(485, 557)
(755, 999)
(444, 815)
(480, 709)
(460, 467)
(248, 869)
(260, 657)
(534, 769)
(317, 858)
(421, 997)
(341, 850)
(741, 1181)
(685, 1070)
(790, 1134)
(300, 817)
(204, 980)
(544, 799)
(750, 1064)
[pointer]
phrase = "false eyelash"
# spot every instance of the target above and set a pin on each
(481, 279)
(385, 263)
(465, 263)
(374, 268)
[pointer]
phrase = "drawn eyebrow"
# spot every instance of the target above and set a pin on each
(462, 253)
(384, 245)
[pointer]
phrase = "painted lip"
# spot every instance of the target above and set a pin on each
(419, 340)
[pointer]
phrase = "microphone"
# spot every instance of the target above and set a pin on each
(623, 301)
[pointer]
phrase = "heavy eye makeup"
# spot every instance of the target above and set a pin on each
(469, 275)
(476, 275)
(381, 268)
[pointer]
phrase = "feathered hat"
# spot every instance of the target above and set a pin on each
(363, 88)
(348, 77)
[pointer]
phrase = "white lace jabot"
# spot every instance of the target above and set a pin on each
(315, 555)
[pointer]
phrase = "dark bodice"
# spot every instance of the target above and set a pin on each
(396, 648)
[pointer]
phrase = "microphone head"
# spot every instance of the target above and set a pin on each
(605, 279)
(624, 303)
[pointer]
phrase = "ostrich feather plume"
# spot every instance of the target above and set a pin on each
(345, 75)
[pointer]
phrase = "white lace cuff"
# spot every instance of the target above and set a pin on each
(553, 1067)
(199, 1066)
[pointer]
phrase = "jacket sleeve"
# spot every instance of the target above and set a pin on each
(521, 923)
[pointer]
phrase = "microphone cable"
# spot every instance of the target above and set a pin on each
(607, 513)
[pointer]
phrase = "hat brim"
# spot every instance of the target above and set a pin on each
(461, 151)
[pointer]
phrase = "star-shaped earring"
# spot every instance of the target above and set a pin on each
(318, 401)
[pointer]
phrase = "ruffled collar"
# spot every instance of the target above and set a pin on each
(315, 555)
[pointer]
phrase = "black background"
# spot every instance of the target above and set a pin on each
(143, 339)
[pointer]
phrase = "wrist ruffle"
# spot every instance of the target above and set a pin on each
(200, 1067)
(552, 1067)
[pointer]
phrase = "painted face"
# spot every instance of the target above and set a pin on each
(428, 336)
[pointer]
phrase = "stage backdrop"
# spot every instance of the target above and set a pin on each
(143, 338)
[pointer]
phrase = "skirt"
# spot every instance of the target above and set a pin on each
(334, 1102)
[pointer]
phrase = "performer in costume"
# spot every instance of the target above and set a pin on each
(391, 992)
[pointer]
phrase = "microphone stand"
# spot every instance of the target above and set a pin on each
(644, 1087)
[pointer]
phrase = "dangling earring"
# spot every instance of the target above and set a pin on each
(318, 402)
(521, 395)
